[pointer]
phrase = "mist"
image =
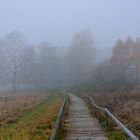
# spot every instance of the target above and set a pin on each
(62, 44)
(56, 21)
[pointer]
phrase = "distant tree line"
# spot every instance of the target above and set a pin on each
(44, 66)
(122, 69)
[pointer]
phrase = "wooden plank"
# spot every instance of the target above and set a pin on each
(80, 124)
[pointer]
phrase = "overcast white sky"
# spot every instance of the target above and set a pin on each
(56, 21)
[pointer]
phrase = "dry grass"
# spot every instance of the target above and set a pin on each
(125, 105)
(35, 124)
(12, 106)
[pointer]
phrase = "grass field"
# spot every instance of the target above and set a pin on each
(34, 123)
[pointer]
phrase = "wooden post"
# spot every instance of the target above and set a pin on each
(106, 120)
(68, 100)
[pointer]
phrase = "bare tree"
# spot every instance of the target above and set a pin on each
(28, 74)
(81, 57)
(11, 48)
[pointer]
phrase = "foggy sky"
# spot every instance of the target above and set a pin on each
(56, 21)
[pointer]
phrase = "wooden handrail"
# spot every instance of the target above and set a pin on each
(58, 120)
(114, 119)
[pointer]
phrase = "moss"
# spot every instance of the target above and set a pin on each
(117, 135)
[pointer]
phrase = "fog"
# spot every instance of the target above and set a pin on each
(63, 44)
(57, 21)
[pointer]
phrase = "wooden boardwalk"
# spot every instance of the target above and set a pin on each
(80, 124)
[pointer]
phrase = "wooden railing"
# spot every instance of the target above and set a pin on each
(108, 115)
(57, 126)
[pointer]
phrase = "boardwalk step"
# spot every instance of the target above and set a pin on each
(86, 138)
(79, 124)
